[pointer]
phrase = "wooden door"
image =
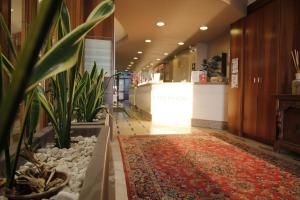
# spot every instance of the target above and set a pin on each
(252, 57)
(266, 116)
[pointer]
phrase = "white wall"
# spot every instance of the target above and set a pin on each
(210, 102)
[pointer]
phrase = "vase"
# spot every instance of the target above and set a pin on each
(296, 85)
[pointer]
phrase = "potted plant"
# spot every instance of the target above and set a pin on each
(30, 70)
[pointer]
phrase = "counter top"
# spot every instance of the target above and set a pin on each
(183, 83)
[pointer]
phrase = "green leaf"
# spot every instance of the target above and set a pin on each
(8, 37)
(64, 54)
(25, 62)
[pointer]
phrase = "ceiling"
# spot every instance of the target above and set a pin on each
(136, 21)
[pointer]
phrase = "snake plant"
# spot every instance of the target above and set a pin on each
(30, 69)
(60, 109)
(90, 98)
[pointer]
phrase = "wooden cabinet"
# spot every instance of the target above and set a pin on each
(288, 134)
(271, 30)
(260, 73)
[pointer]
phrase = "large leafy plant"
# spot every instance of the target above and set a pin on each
(90, 90)
(30, 70)
(60, 107)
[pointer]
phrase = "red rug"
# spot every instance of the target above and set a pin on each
(204, 166)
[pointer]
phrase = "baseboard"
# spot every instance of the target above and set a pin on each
(209, 124)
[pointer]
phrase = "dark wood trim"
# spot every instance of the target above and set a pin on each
(257, 5)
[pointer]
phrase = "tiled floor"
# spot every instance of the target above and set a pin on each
(130, 122)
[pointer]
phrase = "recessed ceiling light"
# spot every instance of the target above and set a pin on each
(131, 63)
(203, 28)
(166, 54)
(135, 58)
(139, 52)
(148, 41)
(148, 66)
(151, 64)
(160, 23)
(180, 43)
(12, 10)
(158, 59)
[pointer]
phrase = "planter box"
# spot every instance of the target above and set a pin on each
(96, 182)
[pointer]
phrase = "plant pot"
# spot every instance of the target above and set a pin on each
(46, 194)
(296, 85)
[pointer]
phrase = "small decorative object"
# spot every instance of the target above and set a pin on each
(296, 82)
(203, 77)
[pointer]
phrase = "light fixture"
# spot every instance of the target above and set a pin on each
(131, 63)
(135, 58)
(166, 54)
(139, 52)
(180, 43)
(12, 10)
(203, 28)
(126, 70)
(151, 64)
(148, 66)
(160, 24)
(158, 59)
(148, 41)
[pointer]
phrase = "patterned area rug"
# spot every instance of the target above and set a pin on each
(204, 166)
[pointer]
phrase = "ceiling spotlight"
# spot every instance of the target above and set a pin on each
(158, 59)
(180, 43)
(135, 58)
(166, 54)
(148, 41)
(203, 28)
(131, 63)
(151, 64)
(160, 24)
(139, 52)
(126, 70)
(147, 66)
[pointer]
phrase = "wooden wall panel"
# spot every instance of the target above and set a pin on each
(76, 12)
(5, 6)
(105, 30)
(289, 39)
(29, 13)
(236, 94)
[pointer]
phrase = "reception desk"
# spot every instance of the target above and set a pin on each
(183, 104)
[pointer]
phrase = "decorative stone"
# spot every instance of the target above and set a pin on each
(67, 196)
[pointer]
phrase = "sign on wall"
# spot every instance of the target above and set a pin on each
(235, 73)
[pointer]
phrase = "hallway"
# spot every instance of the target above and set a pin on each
(130, 122)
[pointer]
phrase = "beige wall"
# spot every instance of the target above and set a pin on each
(182, 66)
(220, 45)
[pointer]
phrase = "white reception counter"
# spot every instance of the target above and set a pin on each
(183, 104)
